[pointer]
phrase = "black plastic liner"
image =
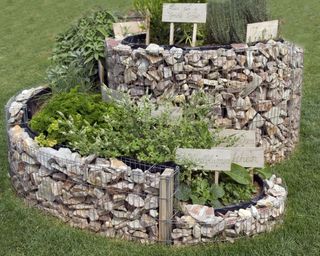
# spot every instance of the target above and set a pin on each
(138, 41)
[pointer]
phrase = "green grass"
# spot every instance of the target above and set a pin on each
(27, 30)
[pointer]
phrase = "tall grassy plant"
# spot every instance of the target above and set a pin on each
(227, 19)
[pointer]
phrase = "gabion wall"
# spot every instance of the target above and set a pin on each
(253, 88)
(108, 197)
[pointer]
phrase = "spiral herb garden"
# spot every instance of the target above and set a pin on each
(109, 164)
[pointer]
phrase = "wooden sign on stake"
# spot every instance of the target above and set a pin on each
(262, 31)
(217, 159)
(251, 157)
(184, 13)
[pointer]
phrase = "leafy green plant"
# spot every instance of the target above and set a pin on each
(86, 124)
(235, 186)
(239, 174)
(265, 173)
(200, 190)
(236, 193)
(76, 52)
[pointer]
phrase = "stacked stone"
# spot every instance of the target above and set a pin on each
(256, 87)
(199, 224)
(103, 195)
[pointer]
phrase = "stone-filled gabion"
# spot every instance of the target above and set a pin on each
(108, 197)
(103, 195)
(199, 224)
(253, 88)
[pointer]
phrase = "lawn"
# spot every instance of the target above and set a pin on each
(27, 33)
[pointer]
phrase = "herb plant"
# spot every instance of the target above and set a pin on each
(76, 52)
(88, 125)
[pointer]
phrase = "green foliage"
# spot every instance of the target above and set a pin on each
(159, 31)
(239, 174)
(266, 172)
(236, 193)
(76, 52)
(227, 19)
(198, 187)
(200, 190)
(86, 124)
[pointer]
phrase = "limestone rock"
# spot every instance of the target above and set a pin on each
(203, 214)
(137, 176)
(151, 202)
(15, 108)
(49, 189)
(135, 200)
(154, 49)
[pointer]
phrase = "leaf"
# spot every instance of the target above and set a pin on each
(198, 200)
(266, 172)
(216, 204)
(239, 174)
(217, 191)
(183, 193)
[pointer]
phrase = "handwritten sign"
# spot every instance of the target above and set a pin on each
(262, 31)
(122, 29)
(184, 13)
(217, 159)
(241, 138)
(248, 157)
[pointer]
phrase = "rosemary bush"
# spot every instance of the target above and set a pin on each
(227, 19)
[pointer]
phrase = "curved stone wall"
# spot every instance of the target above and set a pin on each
(253, 88)
(108, 197)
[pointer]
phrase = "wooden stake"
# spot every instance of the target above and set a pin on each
(251, 171)
(171, 33)
(194, 35)
(148, 28)
(216, 178)
(166, 205)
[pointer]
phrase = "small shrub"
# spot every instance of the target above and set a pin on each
(227, 19)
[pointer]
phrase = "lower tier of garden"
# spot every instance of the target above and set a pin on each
(118, 199)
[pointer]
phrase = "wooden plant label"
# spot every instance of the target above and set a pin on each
(242, 138)
(184, 13)
(251, 157)
(262, 31)
(217, 159)
(122, 29)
